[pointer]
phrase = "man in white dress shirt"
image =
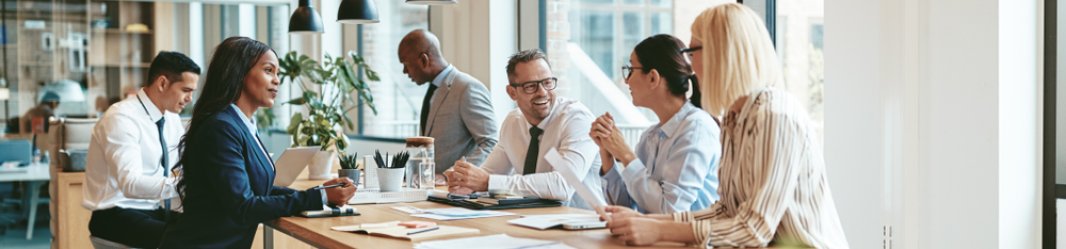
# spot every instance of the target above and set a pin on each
(542, 121)
(128, 180)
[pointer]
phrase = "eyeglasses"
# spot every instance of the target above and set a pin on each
(691, 50)
(531, 86)
(628, 71)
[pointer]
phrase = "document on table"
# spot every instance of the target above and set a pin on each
(499, 241)
(546, 221)
(450, 213)
(591, 198)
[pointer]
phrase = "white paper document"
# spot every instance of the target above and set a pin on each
(591, 198)
(450, 213)
(499, 241)
(542, 222)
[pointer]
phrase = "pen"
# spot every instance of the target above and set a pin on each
(423, 230)
(332, 186)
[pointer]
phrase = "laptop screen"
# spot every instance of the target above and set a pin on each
(15, 150)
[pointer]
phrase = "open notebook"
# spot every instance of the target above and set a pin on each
(393, 229)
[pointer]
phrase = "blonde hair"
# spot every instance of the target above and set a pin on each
(737, 56)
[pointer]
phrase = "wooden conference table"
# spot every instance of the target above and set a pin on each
(316, 231)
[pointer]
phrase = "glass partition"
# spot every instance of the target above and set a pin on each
(93, 53)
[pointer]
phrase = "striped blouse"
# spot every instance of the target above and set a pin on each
(773, 184)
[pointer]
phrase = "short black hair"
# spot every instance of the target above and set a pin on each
(170, 64)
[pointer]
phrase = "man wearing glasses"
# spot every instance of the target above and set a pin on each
(456, 111)
(541, 122)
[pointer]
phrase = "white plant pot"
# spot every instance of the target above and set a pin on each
(390, 180)
(321, 165)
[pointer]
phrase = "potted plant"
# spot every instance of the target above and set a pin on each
(327, 97)
(349, 167)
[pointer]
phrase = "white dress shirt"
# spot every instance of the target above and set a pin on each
(676, 167)
(123, 167)
(567, 129)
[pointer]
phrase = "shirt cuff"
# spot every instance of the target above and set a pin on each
(499, 182)
(700, 228)
(683, 217)
(323, 192)
(633, 171)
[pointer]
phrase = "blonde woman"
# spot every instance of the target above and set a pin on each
(773, 185)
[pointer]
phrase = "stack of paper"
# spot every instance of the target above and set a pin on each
(499, 241)
(450, 213)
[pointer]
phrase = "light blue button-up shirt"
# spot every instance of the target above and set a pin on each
(437, 81)
(676, 167)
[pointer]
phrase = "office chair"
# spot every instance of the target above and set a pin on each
(68, 134)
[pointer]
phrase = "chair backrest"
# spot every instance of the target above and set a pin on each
(66, 135)
(77, 133)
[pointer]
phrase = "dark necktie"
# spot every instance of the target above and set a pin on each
(164, 160)
(425, 109)
(532, 151)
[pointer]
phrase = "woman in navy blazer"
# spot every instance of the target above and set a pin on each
(227, 184)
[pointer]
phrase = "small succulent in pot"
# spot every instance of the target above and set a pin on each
(349, 161)
(349, 167)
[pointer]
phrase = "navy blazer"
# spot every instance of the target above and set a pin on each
(229, 188)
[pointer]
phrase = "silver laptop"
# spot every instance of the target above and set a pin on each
(291, 163)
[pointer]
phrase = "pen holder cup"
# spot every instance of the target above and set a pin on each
(390, 180)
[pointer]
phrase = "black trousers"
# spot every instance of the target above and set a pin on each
(131, 227)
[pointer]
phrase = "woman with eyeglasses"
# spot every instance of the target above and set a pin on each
(674, 167)
(774, 190)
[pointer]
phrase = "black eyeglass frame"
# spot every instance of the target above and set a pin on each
(529, 87)
(627, 70)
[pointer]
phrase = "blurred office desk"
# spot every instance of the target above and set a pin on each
(34, 175)
(316, 231)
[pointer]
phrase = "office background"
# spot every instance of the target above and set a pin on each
(931, 110)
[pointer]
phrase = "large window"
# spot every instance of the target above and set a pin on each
(588, 41)
(799, 32)
(397, 98)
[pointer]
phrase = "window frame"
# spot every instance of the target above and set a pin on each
(360, 120)
(1051, 190)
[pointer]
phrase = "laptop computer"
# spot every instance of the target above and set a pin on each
(18, 150)
(291, 163)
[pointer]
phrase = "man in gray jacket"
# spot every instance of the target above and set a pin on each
(457, 110)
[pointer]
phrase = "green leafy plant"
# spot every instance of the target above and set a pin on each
(349, 161)
(328, 89)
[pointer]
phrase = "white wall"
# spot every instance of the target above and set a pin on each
(858, 62)
(1019, 124)
(931, 121)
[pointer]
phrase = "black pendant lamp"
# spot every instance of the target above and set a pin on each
(305, 19)
(432, 2)
(357, 12)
